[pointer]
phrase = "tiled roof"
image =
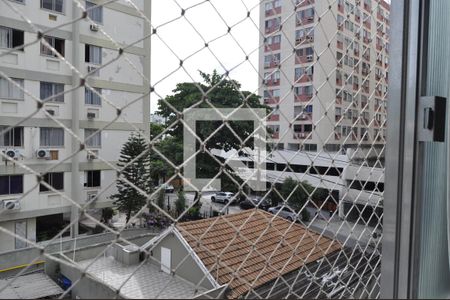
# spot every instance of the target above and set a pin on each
(248, 249)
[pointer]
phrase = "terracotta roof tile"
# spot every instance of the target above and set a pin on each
(248, 249)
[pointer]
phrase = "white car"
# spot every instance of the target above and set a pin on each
(286, 212)
(222, 197)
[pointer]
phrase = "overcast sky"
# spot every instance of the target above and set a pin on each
(183, 40)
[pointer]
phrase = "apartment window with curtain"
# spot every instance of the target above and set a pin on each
(92, 178)
(51, 137)
(55, 180)
(11, 138)
(96, 140)
(11, 38)
(9, 90)
(53, 5)
(93, 54)
(95, 13)
(56, 43)
(11, 184)
(92, 98)
(51, 91)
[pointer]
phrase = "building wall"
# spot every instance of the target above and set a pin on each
(325, 65)
(121, 84)
(181, 261)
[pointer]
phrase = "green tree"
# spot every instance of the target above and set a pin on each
(180, 203)
(127, 199)
(301, 191)
(222, 93)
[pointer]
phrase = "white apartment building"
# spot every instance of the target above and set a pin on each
(27, 208)
(325, 68)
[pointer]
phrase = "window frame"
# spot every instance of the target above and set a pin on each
(52, 145)
(12, 138)
(10, 185)
(48, 178)
(54, 92)
(52, 42)
(97, 135)
(62, 12)
(89, 179)
(20, 82)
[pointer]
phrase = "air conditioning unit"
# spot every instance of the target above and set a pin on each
(91, 115)
(90, 196)
(12, 153)
(309, 58)
(93, 155)
(310, 38)
(11, 204)
(310, 18)
(94, 27)
(43, 154)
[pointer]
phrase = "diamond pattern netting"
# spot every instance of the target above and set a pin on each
(335, 256)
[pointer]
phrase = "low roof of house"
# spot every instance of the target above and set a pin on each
(248, 249)
(31, 286)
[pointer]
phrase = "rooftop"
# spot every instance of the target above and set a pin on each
(248, 249)
(147, 282)
(31, 286)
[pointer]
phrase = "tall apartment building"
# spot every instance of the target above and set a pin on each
(325, 69)
(27, 208)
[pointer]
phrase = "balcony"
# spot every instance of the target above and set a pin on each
(367, 40)
(305, 21)
(272, 12)
(304, 59)
(379, 47)
(304, 40)
(275, 135)
(302, 98)
(302, 135)
(368, 24)
(272, 82)
(340, 45)
(340, 8)
(273, 100)
(273, 118)
(355, 86)
(272, 47)
(337, 118)
(338, 82)
(337, 136)
(272, 29)
(303, 78)
(338, 100)
(302, 3)
(272, 64)
(367, 7)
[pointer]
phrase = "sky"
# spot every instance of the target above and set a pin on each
(177, 39)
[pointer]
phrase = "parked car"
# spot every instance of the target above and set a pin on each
(254, 202)
(168, 188)
(222, 197)
(285, 212)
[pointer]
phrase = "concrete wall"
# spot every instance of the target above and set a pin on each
(185, 268)
(85, 246)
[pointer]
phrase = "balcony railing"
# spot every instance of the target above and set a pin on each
(302, 98)
(272, 12)
(272, 47)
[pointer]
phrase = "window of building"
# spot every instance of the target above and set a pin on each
(276, 39)
(55, 180)
(92, 178)
(93, 54)
(92, 98)
(56, 43)
(51, 91)
(96, 140)
(11, 38)
(11, 184)
(95, 12)
(53, 5)
(51, 137)
(18, 1)
(9, 90)
(310, 147)
(11, 138)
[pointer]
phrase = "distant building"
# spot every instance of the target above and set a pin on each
(157, 119)
(325, 68)
(30, 210)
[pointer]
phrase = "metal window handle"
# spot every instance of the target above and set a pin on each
(432, 110)
(428, 119)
